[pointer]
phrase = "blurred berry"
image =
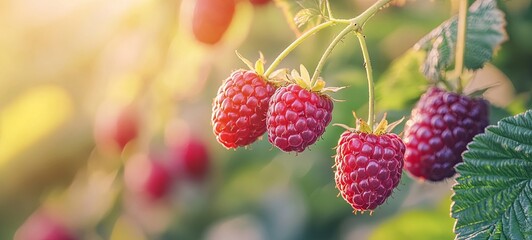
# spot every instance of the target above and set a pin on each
(43, 225)
(190, 158)
(211, 19)
(147, 177)
(115, 126)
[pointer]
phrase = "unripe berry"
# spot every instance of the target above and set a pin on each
(211, 19)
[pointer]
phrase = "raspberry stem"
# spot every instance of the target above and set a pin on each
(328, 52)
(359, 20)
(329, 11)
(460, 44)
(296, 43)
(369, 73)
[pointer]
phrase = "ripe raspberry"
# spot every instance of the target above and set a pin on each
(239, 109)
(368, 167)
(441, 125)
(297, 117)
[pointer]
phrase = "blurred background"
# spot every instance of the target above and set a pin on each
(105, 130)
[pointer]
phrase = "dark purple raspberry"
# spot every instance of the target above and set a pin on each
(239, 109)
(297, 117)
(438, 131)
(368, 168)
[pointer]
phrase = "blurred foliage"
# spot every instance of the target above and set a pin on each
(425, 223)
(61, 63)
(404, 80)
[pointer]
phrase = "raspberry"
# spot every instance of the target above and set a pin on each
(115, 126)
(239, 109)
(211, 19)
(297, 117)
(147, 178)
(441, 125)
(368, 167)
(190, 158)
(44, 225)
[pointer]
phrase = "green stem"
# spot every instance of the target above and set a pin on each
(296, 43)
(328, 52)
(369, 73)
(329, 11)
(460, 44)
(361, 19)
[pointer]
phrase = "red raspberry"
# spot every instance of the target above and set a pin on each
(115, 126)
(441, 125)
(147, 178)
(190, 158)
(297, 117)
(368, 167)
(239, 109)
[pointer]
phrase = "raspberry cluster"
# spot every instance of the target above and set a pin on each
(294, 110)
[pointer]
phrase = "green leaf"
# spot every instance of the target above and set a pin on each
(484, 34)
(494, 190)
(403, 81)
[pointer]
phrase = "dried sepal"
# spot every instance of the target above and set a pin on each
(363, 126)
(382, 126)
(245, 61)
(318, 85)
(258, 67)
(344, 127)
(391, 126)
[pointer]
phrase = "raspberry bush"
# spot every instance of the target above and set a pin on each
(369, 159)
(182, 143)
